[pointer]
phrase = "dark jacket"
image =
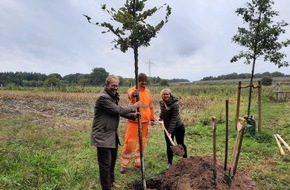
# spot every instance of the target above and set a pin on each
(106, 120)
(170, 113)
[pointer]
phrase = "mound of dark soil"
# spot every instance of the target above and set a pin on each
(195, 173)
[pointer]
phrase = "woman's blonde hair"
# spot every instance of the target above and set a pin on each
(165, 90)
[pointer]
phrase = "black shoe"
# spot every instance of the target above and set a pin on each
(122, 170)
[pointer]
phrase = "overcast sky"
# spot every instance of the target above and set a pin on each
(53, 36)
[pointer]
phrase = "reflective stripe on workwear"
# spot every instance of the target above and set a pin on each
(137, 163)
(131, 140)
(124, 163)
(126, 155)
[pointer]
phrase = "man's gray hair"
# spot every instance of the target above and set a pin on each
(109, 78)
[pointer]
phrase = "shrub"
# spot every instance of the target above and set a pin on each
(267, 81)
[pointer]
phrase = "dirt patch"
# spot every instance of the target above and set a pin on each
(197, 173)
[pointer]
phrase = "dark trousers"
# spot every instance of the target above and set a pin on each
(107, 160)
(178, 133)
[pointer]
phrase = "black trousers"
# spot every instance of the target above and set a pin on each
(107, 160)
(178, 133)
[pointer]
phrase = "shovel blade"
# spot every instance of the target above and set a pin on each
(178, 150)
(228, 180)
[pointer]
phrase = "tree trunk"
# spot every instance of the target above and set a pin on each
(251, 88)
(139, 122)
(254, 63)
(138, 109)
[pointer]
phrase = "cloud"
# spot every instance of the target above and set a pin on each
(54, 37)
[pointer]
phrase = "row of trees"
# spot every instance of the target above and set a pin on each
(244, 76)
(96, 78)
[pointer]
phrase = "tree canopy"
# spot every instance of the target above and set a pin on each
(135, 31)
(261, 35)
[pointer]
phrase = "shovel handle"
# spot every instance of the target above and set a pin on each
(282, 152)
(167, 133)
(283, 142)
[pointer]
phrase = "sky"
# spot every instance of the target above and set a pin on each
(53, 36)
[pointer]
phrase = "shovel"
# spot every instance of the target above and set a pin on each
(236, 151)
(176, 149)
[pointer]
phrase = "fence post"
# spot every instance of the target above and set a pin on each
(259, 105)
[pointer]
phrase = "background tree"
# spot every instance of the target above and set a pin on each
(277, 74)
(72, 78)
(261, 36)
(164, 83)
(56, 75)
(134, 33)
(98, 76)
(53, 81)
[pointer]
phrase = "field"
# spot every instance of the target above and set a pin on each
(45, 137)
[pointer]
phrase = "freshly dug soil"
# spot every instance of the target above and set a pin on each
(195, 173)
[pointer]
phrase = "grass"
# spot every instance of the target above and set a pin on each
(38, 151)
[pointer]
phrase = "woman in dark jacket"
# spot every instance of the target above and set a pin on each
(170, 115)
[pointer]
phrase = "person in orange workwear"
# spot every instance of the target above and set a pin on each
(147, 117)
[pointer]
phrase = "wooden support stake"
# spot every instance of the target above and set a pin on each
(227, 136)
(279, 145)
(282, 140)
(214, 124)
(238, 103)
(259, 106)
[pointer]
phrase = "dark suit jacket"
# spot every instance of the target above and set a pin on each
(106, 120)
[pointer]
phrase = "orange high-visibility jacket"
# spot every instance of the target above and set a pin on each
(147, 107)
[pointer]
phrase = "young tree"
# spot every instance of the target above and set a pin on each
(134, 33)
(261, 37)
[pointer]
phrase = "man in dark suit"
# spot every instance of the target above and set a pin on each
(105, 129)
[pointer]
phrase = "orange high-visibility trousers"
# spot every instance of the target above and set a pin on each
(132, 139)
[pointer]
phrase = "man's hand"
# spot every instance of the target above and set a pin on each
(137, 114)
(137, 104)
(135, 93)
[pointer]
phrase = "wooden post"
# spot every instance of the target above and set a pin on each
(259, 105)
(227, 134)
(214, 124)
(238, 103)
(280, 94)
